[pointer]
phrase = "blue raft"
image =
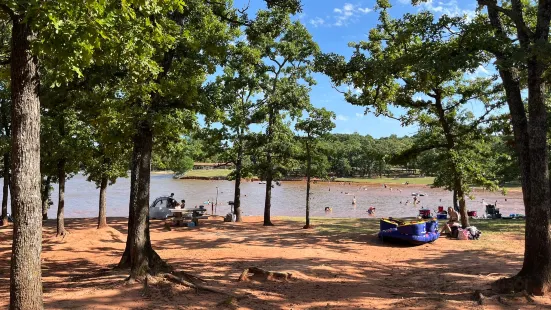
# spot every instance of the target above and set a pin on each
(413, 233)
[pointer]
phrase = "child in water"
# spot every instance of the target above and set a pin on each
(371, 211)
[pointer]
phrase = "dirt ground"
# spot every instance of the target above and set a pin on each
(338, 265)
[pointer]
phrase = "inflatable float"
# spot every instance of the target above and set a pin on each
(417, 232)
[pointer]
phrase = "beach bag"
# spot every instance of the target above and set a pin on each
(455, 231)
(474, 233)
(463, 234)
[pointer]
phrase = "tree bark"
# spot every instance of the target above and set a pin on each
(102, 219)
(140, 254)
(237, 191)
(45, 196)
(530, 138)
(61, 198)
(5, 189)
(455, 201)
(269, 172)
(26, 279)
(308, 173)
(268, 199)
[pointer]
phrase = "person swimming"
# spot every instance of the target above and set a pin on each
(354, 200)
(371, 210)
(328, 209)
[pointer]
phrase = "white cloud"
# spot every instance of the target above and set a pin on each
(450, 8)
(341, 117)
(360, 115)
(480, 72)
(318, 21)
(347, 13)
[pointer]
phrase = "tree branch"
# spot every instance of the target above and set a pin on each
(7, 10)
(512, 14)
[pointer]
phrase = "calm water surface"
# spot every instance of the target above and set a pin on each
(287, 200)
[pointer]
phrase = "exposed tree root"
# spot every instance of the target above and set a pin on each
(183, 274)
(510, 285)
(262, 274)
(174, 279)
(481, 299)
(62, 234)
(308, 227)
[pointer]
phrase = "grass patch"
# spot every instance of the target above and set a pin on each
(208, 173)
(337, 226)
(418, 181)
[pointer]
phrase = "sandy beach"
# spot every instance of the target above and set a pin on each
(338, 265)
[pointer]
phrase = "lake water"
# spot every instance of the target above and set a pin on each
(287, 200)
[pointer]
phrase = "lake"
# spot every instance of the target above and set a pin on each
(287, 200)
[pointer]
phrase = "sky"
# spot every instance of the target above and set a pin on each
(335, 23)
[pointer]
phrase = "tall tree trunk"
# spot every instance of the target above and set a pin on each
(142, 258)
(45, 196)
(5, 189)
(462, 206)
(531, 148)
(237, 191)
(102, 219)
(26, 278)
(455, 201)
(61, 198)
(134, 172)
(268, 199)
(451, 146)
(538, 227)
(308, 173)
(269, 171)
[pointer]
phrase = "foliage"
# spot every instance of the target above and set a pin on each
(317, 125)
(401, 55)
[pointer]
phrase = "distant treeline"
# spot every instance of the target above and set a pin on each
(356, 155)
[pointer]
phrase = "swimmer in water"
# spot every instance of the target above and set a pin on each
(328, 209)
(354, 200)
(371, 210)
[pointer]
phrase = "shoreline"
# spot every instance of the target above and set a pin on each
(374, 182)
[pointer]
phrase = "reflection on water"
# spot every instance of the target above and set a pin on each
(287, 200)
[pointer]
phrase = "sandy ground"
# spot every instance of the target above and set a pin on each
(333, 268)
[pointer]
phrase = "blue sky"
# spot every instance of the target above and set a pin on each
(335, 23)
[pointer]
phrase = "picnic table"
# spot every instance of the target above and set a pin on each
(193, 214)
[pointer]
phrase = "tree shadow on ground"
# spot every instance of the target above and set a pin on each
(335, 266)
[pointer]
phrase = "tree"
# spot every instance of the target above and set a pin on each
(516, 33)
(64, 37)
(192, 44)
(107, 156)
(66, 138)
(5, 136)
(236, 92)
(400, 59)
(285, 80)
(317, 124)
